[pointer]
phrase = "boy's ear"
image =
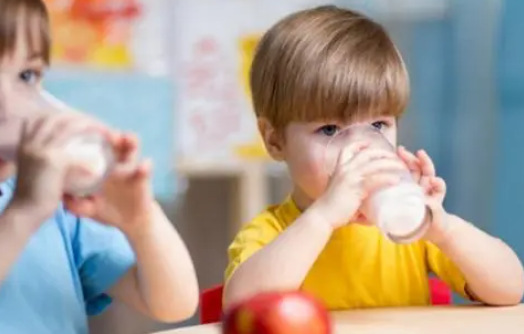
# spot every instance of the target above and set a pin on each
(273, 140)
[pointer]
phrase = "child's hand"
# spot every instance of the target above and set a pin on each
(423, 172)
(42, 162)
(366, 170)
(126, 199)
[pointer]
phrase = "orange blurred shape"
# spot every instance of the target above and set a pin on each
(278, 313)
(99, 10)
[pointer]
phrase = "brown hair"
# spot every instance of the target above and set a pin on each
(327, 63)
(35, 26)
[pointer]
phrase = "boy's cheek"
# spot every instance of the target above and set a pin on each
(310, 180)
(312, 164)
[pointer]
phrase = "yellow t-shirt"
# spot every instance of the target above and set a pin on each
(358, 268)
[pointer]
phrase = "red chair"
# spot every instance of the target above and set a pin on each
(211, 300)
(440, 293)
(211, 305)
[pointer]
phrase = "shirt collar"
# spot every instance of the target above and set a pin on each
(288, 211)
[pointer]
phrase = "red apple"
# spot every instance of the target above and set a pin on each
(278, 313)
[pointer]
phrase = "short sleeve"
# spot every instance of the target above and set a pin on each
(446, 270)
(102, 256)
(253, 237)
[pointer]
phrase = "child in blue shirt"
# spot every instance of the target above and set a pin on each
(57, 268)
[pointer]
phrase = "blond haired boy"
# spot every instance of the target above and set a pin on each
(314, 73)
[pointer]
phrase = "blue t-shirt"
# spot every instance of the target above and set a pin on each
(62, 274)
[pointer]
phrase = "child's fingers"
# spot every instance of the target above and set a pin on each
(124, 171)
(25, 130)
(131, 144)
(36, 128)
(113, 137)
(379, 181)
(128, 156)
(367, 156)
(425, 183)
(144, 169)
(393, 166)
(131, 170)
(54, 126)
(57, 129)
(347, 154)
(126, 148)
(70, 128)
(438, 185)
(426, 164)
(409, 159)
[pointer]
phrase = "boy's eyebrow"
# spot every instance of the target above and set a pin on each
(35, 56)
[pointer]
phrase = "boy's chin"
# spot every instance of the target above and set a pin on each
(360, 218)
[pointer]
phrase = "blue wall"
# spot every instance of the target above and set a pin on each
(509, 194)
(131, 102)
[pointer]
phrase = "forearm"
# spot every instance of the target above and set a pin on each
(15, 230)
(284, 263)
(492, 270)
(165, 275)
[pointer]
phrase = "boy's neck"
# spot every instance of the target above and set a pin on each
(302, 201)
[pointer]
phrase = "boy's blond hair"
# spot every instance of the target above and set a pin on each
(327, 63)
(27, 17)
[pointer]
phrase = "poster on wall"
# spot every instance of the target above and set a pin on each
(95, 33)
(213, 46)
(109, 59)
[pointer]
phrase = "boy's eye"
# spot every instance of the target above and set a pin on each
(328, 130)
(30, 76)
(379, 125)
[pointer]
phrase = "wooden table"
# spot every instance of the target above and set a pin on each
(430, 320)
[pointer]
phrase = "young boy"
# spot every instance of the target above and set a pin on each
(57, 268)
(314, 73)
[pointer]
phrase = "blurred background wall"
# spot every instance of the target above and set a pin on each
(175, 72)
